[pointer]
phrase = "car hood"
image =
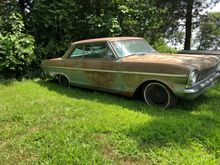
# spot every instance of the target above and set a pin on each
(199, 62)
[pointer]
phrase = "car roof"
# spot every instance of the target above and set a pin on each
(105, 39)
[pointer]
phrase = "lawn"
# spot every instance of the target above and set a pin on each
(42, 123)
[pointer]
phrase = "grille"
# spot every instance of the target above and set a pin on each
(206, 73)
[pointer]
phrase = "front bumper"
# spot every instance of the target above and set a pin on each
(201, 87)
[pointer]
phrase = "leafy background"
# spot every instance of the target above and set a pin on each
(48, 27)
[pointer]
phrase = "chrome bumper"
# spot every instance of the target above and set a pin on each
(201, 87)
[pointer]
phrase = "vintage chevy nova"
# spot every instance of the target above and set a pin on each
(127, 65)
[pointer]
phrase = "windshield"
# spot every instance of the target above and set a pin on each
(132, 47)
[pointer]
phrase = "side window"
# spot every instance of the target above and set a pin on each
(77, 52)
(97, 50)
(109, 53)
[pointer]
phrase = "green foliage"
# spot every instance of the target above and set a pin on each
(16, 48)
(6, 7)
(182, 16)
(56, 24)
(103, 26)
(144, 19)
(42, 123)
(209, 34)
(161, 46)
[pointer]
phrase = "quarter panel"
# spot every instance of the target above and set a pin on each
(66, 67)
(134, 74)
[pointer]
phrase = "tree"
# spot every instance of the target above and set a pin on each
(208, 36)
(55, 24)
(6, 7)
(195, 14)
(188, 24)
(25, 5)
(189, 14)
(16, 47)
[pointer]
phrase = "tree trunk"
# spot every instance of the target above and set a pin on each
(87, 6)
(22, 6)
(98, 7)
(188, 31)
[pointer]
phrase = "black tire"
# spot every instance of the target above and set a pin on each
(158, 95)
(63, 81)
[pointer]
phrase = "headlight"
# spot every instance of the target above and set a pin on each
(193, 77)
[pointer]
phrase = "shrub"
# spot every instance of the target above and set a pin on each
(103, 26)
(16, 48)
(161, 46)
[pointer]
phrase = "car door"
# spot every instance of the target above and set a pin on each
(71, 62)
(99, 67)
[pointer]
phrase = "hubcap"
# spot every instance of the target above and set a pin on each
(156, 95)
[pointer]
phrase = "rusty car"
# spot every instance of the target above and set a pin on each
(129, 65)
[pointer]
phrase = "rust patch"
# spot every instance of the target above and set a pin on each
(126, 74)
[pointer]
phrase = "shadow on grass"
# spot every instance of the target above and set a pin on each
(7, 82)
(130, 103)
(195, 120)
(135, 104)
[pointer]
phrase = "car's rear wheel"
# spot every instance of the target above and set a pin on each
(158, 95)
(63, 81)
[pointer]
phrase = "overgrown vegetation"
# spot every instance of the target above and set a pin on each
(55, 24)
(16, 48)
(209, 34)
(41, 123)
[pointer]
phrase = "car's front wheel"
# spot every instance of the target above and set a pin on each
(63, 81)
(157, 94)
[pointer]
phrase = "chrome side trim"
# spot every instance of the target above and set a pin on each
(124, 72)
(190, 91)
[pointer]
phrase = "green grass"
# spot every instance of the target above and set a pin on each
(41, 123)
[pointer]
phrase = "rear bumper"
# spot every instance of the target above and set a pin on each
(198, 89)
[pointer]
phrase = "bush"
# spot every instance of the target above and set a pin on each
(161, 46)
(103, 26)
(16, 48)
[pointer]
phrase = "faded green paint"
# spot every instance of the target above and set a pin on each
(125, 75)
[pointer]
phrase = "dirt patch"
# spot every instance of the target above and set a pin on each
(110, 153)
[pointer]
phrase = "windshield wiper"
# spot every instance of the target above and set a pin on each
(133, 54)
(148, 52)
(138, 53)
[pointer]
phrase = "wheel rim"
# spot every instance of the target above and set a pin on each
(156, 94)
(63, 81)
